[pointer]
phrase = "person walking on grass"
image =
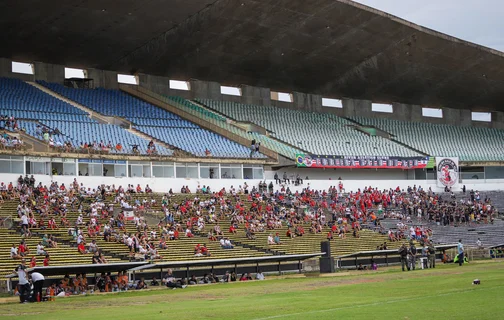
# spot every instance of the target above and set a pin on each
(460, 250)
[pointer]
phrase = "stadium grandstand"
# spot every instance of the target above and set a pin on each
(333, 124)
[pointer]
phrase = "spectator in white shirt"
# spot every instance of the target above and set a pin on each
(228, 244)
(93, 247)
(40, 249)
(14, 252)
(23, 284)
(80, 238)
(479, 244)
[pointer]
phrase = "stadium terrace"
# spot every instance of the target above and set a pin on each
(231, 141)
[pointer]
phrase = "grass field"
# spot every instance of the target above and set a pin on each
(442, 293)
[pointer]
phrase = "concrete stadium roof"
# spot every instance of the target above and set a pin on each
(337, 48)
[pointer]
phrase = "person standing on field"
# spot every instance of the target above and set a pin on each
(412, 256)
(432, 256)
(403, 252)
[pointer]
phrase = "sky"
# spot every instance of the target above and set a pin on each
(478, 21)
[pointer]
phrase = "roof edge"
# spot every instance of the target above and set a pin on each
(421, 28)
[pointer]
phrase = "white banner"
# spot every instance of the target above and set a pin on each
(447, 172)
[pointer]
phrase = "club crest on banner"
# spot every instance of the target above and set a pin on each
(447, 171)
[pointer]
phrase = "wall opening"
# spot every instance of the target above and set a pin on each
(332, 103)
(75, 73)
(180, 85)
(230, 91)
(127, 79)
(380, 107)
(281, 96)
(22, 67)
(481, 116)
(432, 113)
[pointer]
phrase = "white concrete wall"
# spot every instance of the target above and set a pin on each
(164, 184)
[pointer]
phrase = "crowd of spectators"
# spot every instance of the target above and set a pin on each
(255, 210)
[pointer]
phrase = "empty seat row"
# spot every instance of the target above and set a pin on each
(443, 140)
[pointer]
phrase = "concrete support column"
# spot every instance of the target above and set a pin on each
(451, 116)
(205, 90)
(161, 85)
(49, 72)
(307, 102)
(457, 117)
(416, 113)
(256, 95)
(465, 118)
(5, 67)
(498, 120)
(353, 108)
(104, 79)
(406, 112)
(157, 84)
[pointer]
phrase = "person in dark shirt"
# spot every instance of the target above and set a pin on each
(403, 252)
(141, 284)
(154, 282)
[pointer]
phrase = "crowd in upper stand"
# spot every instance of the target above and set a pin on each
(48, 135)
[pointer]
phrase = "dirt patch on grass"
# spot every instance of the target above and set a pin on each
(9, 300)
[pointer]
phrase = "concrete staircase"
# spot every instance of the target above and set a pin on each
(91, 113)
(177, 152)
(219, 127)
(247, 126)
(31, 143)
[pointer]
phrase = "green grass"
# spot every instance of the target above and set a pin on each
(442, 293)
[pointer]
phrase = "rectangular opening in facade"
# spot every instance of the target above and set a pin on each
(432, 113)
(230, 91)
(75, 73)
(180, 85)
(281, 96)
(22, 67)
(481, 116)
(381, 107)
(332, 103)
(127, 79)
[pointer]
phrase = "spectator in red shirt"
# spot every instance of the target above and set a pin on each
(205, 252)
(82, 248)
(245, 277)
(46, 260)
(23, 249)
(33, 262)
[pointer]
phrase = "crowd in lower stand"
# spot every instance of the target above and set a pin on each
(47, 207)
